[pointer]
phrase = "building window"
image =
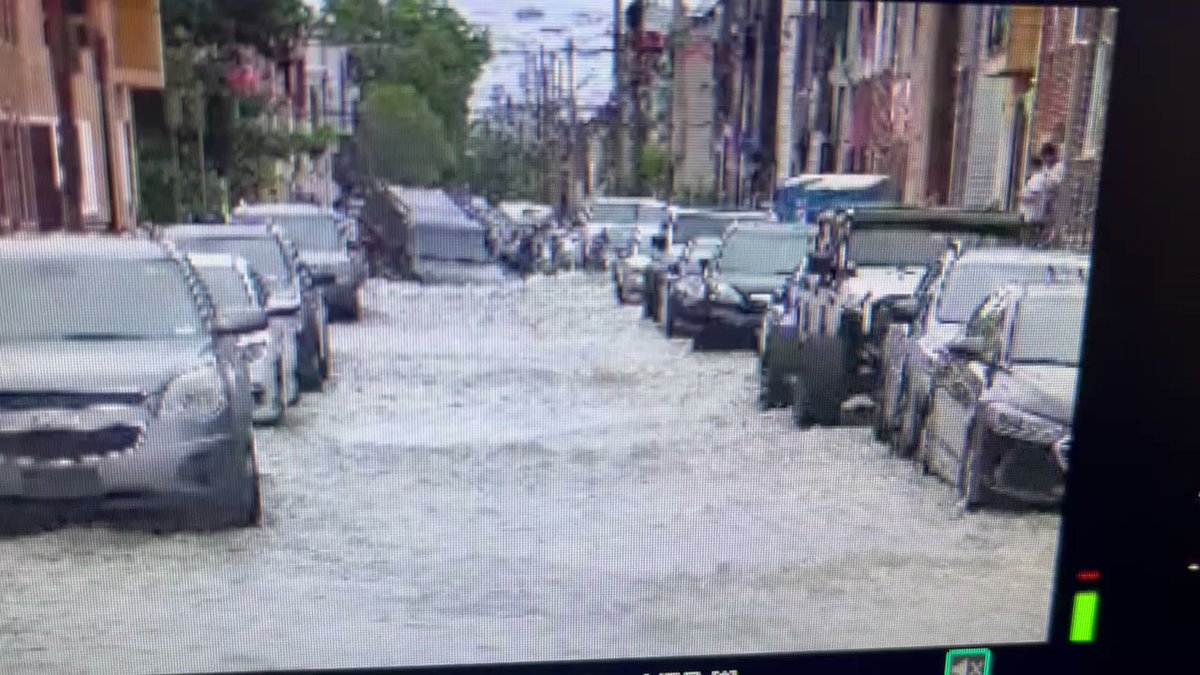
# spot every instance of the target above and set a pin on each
(8, 22)
(1093, 137)
(1079, 26)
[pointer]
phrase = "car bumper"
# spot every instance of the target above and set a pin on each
(265, 386)
(167, 466)
(1022, 471)
(342, 296)
(740, 320)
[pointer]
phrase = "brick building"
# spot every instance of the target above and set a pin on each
(108, 49)
(1073, 72)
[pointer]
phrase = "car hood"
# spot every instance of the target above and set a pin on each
(939, 335)
(881, 282)
(1048, 391)
(748, 283)
(118, 366)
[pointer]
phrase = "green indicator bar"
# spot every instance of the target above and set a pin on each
(1083, 616)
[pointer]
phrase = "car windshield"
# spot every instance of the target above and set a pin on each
(263, 253)
(968, 285)
(1048, 330)
(765, 253)
(901, 248)
(96, 299)
(628, 214)
(227, 287)
(312, 232)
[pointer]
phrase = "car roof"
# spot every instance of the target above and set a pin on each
(1017, 291)
(212, 260)
(99, 246)
(772, 229)
(262, 231)
(1014, 254)
(283, 209)
(936, 219)
(643, 201)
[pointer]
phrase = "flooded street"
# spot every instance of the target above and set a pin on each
(511, 472)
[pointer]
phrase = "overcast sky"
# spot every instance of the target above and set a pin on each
(589, 22)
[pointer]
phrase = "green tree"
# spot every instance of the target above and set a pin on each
(267, 25)
(653, 168)
(423, 44)
(402, 140)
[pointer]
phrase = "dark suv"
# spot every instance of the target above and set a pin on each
(119, 395)
(725, 303)
(822, 342)
(293, 294)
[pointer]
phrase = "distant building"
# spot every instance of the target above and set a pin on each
(692, 126)
(1073, 71)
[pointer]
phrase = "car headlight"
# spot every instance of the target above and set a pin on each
(1062, 452)
(1009, 422)
(723, 293)
(197, 394)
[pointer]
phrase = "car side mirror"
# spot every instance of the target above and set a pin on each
(313, 278)
(820, 264)
(904, 310)
(240, 322)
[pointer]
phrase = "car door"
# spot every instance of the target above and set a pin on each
(957, 386)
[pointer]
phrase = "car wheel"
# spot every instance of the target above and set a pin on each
(251, 506)
(923, 450)
(801, 407)
(281, 394)
(772, 391)
(971, 492)
(326, 359)
(907, 434)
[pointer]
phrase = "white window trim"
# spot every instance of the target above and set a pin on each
(1093, 132)
(1075, 39)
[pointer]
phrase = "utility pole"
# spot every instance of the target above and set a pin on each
(618, 124)
(573, 125)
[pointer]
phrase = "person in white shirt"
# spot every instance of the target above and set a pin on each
(1040, 191)
(1033, 194)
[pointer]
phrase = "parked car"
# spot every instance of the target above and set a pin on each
(999, 422)
(294, 300)
(822, 342)
(724, 305)
(121, 393)
(236, 289)
(614, 224)
(914, 351)
(697, 256)
(685, 226)
(329, 246)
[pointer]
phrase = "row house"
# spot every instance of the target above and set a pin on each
(332, 97)
(692, 127)
(950, 100)
(67, 141)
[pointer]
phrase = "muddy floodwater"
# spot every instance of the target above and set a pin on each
(506, 471)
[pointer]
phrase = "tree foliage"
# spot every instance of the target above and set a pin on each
(267, 25)
(423, 45)
(402, 139)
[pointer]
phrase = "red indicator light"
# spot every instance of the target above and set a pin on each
(1088, 576)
